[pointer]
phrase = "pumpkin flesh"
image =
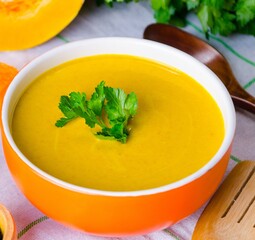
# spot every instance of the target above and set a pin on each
(27, 23)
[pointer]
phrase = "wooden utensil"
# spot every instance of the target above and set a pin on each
(230, 215)
(206, 54)
(7, 225)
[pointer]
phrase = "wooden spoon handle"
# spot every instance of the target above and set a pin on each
(204, 53)
(244, 104)
(241, 98)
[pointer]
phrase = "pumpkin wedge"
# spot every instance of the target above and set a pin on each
(7, 73)
(7, 225)
(27, 23)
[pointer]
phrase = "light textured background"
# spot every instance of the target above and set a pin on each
(128, 20)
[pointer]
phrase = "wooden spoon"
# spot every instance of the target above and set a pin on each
(206, 54)
(230, 214)
(7, 225)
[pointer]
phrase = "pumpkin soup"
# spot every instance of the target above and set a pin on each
(177, 129)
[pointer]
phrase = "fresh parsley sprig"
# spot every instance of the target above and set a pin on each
(216, 16)
(109, 102)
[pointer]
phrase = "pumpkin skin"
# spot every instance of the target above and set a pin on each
(28, 23)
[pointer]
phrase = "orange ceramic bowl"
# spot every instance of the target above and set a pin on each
(109, 213)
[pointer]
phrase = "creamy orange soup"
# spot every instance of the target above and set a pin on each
(177, 129)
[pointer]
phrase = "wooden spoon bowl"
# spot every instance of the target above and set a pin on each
(230, 214)
(206, 54)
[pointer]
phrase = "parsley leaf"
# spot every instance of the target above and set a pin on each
(216, 16)
(249, 28)
(214, 20)
(66, 107)
(115, 105)
(131, 104)
(245, 11)
(97, 100)
(192, 4)
(118, 106)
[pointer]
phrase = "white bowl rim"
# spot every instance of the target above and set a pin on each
(214, 160)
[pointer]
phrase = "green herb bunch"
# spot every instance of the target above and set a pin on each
(216, 16)
(112, 103)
